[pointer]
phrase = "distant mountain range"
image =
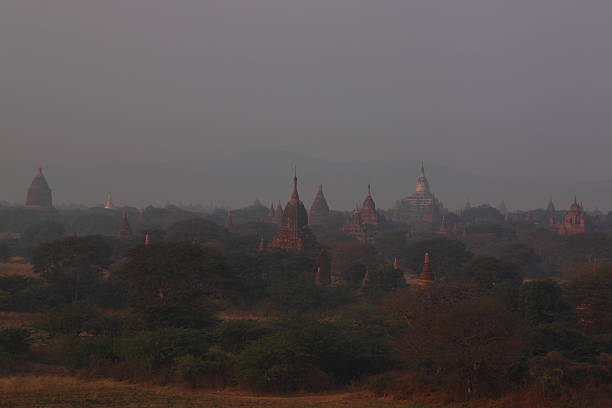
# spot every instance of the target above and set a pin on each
(235, 181)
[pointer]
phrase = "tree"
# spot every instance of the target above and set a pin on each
(383, 279)
(458, 344)
(175, 284)
(310, 355)
(43, 231)
(73, 264)
(446, 254)
(590, 245)
(489, 272)
(542, 302)
(195, 230)
(519, 254)
(590, 293)
(482, 214)
(350, 260)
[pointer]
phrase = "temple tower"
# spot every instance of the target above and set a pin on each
(123, 229)
(426, 274)
(422, 205)
(294, 232)
(39, 194)
(442, 229)
(108, 203)
(319, 210)
(573, 222)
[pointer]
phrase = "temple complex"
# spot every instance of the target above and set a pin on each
(573, 222)
(39, 194)
(123, 229)
(365, 221)
(422, 205)
(294, 233)
(319, 210)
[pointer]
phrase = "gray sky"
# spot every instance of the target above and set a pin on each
(517, 89)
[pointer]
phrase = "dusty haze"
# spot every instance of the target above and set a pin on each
(511, 98)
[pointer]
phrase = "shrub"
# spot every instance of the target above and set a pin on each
(13, 342)
(302, 351)
(33, 298)
(80, 351)
(69, 318)
(162, 346)
(215, 370)
(234, 336)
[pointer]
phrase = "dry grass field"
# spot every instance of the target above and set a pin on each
(17, 268)
(71, 392)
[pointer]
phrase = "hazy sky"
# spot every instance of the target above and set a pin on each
(519, 88)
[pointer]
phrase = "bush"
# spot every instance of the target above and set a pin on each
(110, 295)
(162, 346)
(81, 351)
(234, 336)
(69, 318)
(303, 352)
(34, 298)
(214, 370)
(14, 341)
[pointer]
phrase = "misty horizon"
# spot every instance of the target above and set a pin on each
(265, 175)
(515, 95)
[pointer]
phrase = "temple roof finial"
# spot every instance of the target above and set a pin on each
(295, 197)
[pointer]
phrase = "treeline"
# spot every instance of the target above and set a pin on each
(202, 307)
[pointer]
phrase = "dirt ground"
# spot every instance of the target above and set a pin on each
(70, 392)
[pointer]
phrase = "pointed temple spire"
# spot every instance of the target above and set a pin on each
(551, 206)
(442, 229)
(108, 204)
(147, 239)
(39, 194)
(422, 185)
(426, 274)
(294, 233)
(319, 210)
(295, 197)
(123, 230)
(395, 264)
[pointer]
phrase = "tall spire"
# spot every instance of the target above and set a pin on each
(123, 230)
(442, 229)
(39, 194)
(108, 204)
(319, 210)
(422, 185)
(295, 197)
(426, 274)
